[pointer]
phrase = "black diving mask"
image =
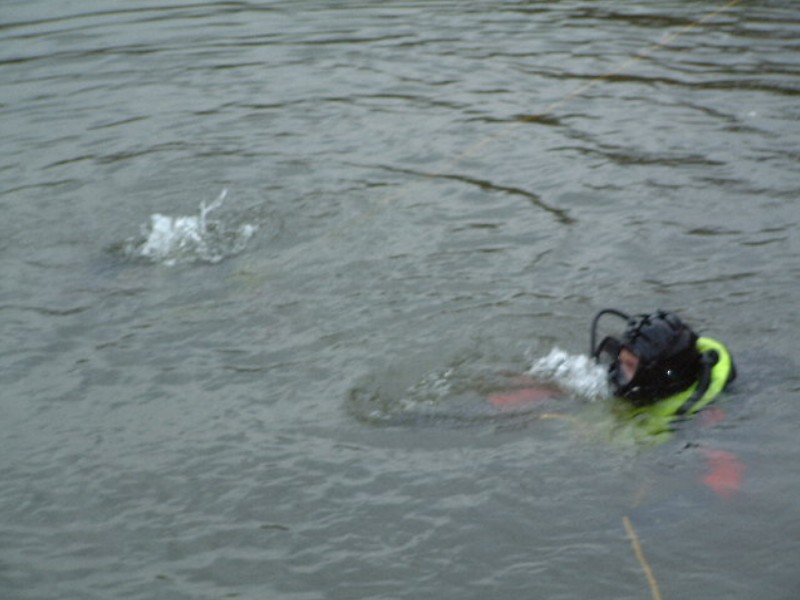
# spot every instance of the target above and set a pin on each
(655, 357)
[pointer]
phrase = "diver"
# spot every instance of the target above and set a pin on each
(658, 370)
(664, 372)
(660, 366)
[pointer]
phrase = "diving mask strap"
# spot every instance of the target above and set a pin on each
(595, 350)
(707, 360)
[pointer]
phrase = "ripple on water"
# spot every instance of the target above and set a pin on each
(466, 393)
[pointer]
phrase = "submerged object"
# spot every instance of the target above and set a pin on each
(523, 397)
(725, 473)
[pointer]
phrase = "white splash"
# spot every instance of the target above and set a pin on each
(172, 240)
(576, 373)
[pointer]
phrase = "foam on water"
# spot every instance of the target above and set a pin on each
(184, 239)
(576, 373)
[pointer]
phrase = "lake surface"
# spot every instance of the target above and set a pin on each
(262, 262)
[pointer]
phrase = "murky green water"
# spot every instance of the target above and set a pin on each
(421, 197)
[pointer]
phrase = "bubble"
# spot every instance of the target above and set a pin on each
(576, 373)
(172, 240)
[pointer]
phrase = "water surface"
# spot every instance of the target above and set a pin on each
(419, 195)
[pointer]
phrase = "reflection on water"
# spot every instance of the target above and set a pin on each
(427, 178)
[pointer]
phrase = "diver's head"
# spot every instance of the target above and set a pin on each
(655, 357)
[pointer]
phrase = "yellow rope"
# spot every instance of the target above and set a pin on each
(543, 116)
(550, 416)
(666, 39)
(637, 550)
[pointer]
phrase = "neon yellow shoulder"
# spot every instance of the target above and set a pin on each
(655, 421)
